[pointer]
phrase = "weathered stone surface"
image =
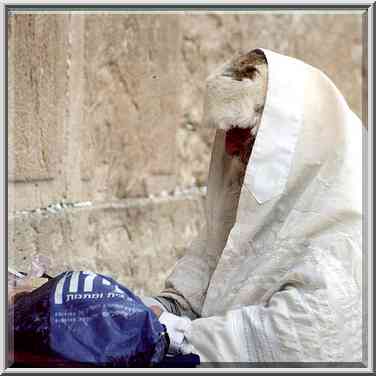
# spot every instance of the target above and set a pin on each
(36, 93)
(136, 242)
(131, 104)
(101, 121)
(38, 85)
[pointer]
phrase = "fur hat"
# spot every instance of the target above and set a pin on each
(236, 91)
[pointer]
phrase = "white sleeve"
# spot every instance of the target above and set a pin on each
(188, 281)
(295, 325)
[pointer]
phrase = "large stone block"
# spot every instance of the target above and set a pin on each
(136, 242)
(131, 91)
(38, 50)
(36, 76)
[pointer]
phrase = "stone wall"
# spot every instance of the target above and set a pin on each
(107, 157)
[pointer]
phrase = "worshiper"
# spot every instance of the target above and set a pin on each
(275, 274)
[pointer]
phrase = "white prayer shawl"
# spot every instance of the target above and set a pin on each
(284, 283)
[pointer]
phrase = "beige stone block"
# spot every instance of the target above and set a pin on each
(35, 130)
(131, 114)
(160, 184)
(136, 242)
(37, 111)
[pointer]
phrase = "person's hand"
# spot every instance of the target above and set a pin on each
(176, 326)
(157, 310)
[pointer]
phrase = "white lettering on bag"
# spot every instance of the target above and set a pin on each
(58, 298)
(89, 281)
(73, 285)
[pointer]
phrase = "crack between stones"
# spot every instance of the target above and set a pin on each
(62, 207)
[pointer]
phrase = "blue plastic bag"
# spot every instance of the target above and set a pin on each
(96, 320)
(90, 318)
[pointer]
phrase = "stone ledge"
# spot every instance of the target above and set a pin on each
(137, 243)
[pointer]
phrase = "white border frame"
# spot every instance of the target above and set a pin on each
(369, 190)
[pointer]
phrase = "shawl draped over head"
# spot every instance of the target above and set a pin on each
(281, 280)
